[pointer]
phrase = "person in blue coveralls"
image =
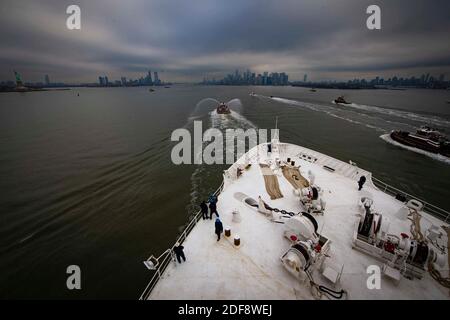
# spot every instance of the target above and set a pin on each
(178, 250)
(204, 209)
(219, 228)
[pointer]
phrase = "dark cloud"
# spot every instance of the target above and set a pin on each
(189, 39)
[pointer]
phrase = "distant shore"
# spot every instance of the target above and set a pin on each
(344, 86)
(22, 90)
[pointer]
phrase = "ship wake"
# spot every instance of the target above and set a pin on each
(412, 116)
(363, 120)
(204, 176)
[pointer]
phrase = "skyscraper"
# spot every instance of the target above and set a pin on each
(283, 79)
(148, 79)
(305, 77)
(47, 80)
(155, 78)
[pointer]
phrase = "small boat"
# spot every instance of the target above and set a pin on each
(341, 100)
(222, 108)
(151, 90)
(252, 94)
(425, 138)
(313, 90)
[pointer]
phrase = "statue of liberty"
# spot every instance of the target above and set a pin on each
(19, 82)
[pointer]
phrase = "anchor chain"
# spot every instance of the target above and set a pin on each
(282, 211)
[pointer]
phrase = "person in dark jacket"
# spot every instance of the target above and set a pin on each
(204, 209)
(178, 250)
(212, 198)
(361, 182)
(213, 209)
(219, 228)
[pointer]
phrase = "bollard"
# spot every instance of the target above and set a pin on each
(237, 240)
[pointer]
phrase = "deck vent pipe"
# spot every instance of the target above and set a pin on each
(236, 216)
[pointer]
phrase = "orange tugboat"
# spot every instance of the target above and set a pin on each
(425, 138)
(223, 109)
(341, 99)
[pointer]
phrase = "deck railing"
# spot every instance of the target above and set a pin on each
(169, 257)
(427, 207)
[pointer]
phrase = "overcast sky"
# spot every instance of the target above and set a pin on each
(188, 39)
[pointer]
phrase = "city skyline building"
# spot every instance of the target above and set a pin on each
(148, 79)
(247, 77)
(142, 81)
(250, 78)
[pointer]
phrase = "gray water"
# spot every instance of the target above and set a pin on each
(88, 179)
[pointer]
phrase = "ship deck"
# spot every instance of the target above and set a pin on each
(219, 270)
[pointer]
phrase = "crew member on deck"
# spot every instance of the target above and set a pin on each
(204, 209)
(219, 228)
(212, 209)
(361, 182)
(212, 198)
(178, 249)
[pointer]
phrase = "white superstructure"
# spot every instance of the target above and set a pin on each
(285, 253)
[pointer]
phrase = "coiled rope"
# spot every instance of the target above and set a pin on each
(415, 229)
(417, 235)
(444, 281)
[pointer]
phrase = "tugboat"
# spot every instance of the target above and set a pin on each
(425, 138)
(341, 100)
(223, 109)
